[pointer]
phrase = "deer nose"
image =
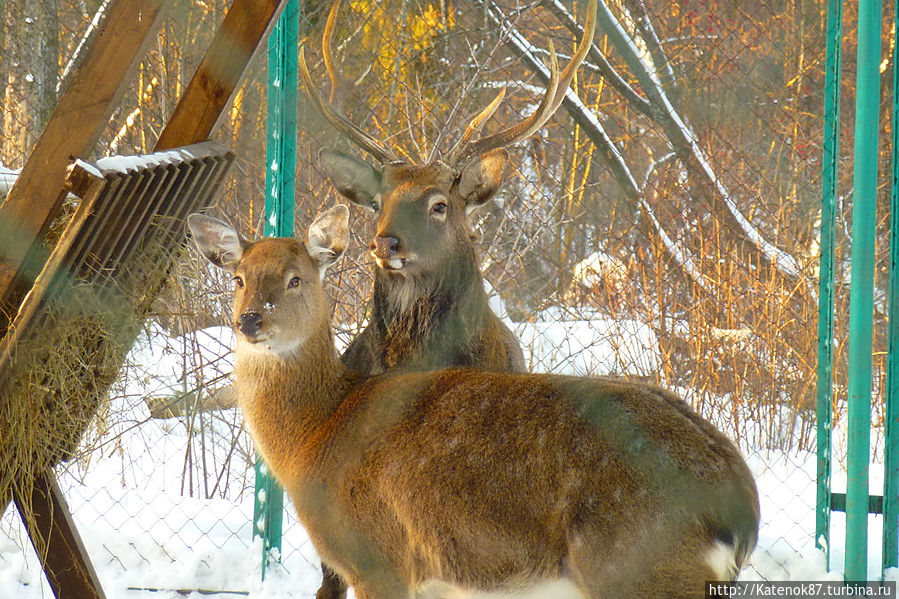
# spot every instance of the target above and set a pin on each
(384, 247)
(249, 323)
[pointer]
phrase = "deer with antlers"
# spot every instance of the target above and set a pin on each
(428, 307)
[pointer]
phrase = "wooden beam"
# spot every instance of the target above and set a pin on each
(88, 186)
(34, 201)
(247, 23)
(56, 541)
(72, 131)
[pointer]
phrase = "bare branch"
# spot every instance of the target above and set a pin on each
(685, 143)
(613, 158)
(555, 93)
(637, 8)
(609, 73)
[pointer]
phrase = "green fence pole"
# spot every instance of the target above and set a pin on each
(280, 162)
(830, 163)
(861, 295)
(890, 554)
(281, 144)
(268, 509)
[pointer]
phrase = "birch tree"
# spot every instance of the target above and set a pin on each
(637, 44)
(744, 247)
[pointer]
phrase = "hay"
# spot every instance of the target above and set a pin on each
(58, 378)
(114, 253)
(59, 374)
(60, 222)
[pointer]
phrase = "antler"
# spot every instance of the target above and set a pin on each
(327, 109)
(465, 149)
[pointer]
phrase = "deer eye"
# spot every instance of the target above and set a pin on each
(438, 208)
(294, 282)
(238, 282)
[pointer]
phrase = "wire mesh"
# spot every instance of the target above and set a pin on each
(662, 227)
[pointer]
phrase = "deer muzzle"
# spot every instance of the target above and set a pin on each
(384, 248)
(249, 324)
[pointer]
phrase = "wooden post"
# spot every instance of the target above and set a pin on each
(74, 127)
(56, 541)
(247, 23)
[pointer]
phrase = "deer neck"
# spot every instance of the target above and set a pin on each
(453, 287)
(286, 398)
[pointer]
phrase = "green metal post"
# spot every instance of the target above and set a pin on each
(280, 162)
(825, 285)
(281, 145)
(268, 510)
(890, 555)
(861, 295)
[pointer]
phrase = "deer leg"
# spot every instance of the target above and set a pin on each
(333, 586)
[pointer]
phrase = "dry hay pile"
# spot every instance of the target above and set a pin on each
(55, 380)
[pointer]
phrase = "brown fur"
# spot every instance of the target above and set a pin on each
(483, 480)
(433, 312)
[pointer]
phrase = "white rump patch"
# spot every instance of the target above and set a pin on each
(722, 559)
(562, 588)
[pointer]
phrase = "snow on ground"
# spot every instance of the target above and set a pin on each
(560, 343)
(167, 504)
(582, 341)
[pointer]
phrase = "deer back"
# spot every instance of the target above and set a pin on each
(471, 477)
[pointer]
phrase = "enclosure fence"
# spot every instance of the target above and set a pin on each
(663, 227)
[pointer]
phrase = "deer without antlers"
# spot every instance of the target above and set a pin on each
(460, 481)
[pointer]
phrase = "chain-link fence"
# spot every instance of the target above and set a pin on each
(663, 226)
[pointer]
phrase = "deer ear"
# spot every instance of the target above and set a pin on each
(357, 181)
(481, 178)
(327, 237)
(216, 240)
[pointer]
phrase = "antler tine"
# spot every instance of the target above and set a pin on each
(555, 94)
(477, 123)
(461, 153)
(333, 72)
(579, 54)
(339, 119)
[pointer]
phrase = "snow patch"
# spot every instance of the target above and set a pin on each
(588, 345)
